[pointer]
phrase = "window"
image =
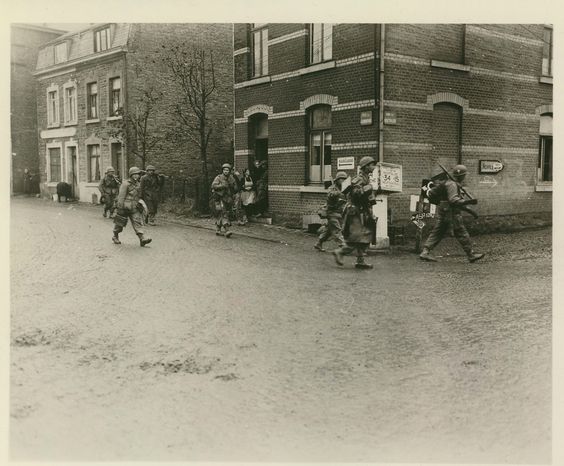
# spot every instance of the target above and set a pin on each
(545, 156)
(259, 42)
(102, 40)
(93, 152)
(320, 144)
(70, 104)
(54, 165)
(547, 52)
(61, 52)
(320, 42)
(92, 101)
(52, 107)
(115, 96)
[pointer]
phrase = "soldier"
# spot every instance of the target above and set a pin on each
(336, 201)
(223, 188)
(109, 188)
(358, 223)
(128, 207)
(150, 192)
(449, 213)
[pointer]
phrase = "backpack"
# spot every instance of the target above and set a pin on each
(436, 193)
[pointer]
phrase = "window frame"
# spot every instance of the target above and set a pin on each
(547, 51)
(53, 111)
(50, 164)
(70, 109)
(89, 176)
(89, 116)
(98, 43)
(545, 135)
(323, 132)
(111, 111)
(322, 46)
(262, 30)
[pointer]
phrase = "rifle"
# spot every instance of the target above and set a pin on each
(462, 190)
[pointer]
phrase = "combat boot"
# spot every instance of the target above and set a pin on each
(143, 241)
(360, 264)
(228, 233)
(474, 256)
(338, 257)
(105, 214)
(115, 239)
(319, 246)
(427, 256)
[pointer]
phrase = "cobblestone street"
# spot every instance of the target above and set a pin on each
(259, 348)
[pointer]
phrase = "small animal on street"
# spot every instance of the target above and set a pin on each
(64, 190)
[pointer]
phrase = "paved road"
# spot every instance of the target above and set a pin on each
(203, 348)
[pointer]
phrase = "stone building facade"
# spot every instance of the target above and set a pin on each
(89, 80)
(309, 97)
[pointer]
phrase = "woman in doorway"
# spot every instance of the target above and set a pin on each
(248, 195)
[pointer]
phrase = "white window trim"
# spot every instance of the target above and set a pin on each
(93, 142)
(48, 146)
(68, 161)
(69, 85)
(110, 97)
(542, 185)
(97, 119)
(53, 121)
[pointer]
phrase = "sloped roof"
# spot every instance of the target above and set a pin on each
(81, 44)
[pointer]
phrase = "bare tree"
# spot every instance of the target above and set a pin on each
(193, 71)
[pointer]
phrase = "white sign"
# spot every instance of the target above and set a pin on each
(345, 163)
(389, 176)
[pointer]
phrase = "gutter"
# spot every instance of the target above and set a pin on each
(380, 81)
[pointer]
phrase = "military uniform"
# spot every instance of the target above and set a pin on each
(109, 188)
(223, 188)
(336, 201)
(150, 193)
(128, 208)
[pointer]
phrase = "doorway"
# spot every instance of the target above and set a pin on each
(116, 154)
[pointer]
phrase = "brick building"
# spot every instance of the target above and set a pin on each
(25, 42)
(307, 95)
(89, 84)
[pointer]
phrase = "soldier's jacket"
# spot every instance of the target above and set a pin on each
(150, 187)
(358, 223)
(224, 188)
(336, 201)
(452, 198)
(129, 194)
(109, 185)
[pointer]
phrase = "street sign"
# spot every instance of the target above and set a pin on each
(490, 166)
(389, 176)
(345, 163)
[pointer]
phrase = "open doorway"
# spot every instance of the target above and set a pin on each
(258, 159)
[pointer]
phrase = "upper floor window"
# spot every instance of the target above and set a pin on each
(52, 107)
(320, 42)
(102, 39)
(91, 101)
(115, 96)
(259, 45)
(70, 103)
(319, 119)
(547, 52)
(545, 155)
(61, 52)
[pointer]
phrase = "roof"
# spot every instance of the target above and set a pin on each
(37, 27)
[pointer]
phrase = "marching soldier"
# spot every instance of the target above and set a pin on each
(150, 191)
(223, 189)
(336, 201)
(449, 212)
(358, 223)
(128, 204)
(109, 188)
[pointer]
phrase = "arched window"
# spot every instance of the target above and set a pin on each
(545, 148)
(319, 126)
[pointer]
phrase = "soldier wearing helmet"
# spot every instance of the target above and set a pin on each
(449, 212)
(109, 188)
(150, 192)
(223, 188)
(336, 201)
(358, 222)
(128, 207)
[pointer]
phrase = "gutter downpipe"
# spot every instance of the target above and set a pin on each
(380, 78)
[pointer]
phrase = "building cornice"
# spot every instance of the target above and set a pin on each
(61, 68)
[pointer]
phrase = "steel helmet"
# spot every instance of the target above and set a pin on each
(226, 165)
(134, 171)
(366, 160)
(150, 167)
(459, 170)
(341, 176)
(110, 169)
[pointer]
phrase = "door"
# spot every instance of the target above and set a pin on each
(117, 159)
(72, 175)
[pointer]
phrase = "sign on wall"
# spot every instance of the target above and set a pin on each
(345, 163)
(490, 166)
(389, 176)
(390, 118)
(366, 118)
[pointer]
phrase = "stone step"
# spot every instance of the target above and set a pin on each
(263, 220)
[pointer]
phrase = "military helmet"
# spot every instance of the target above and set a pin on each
(366, 160)
(134, 171)
(341, 176)
(150, 167)
(110, 169)
(459, 170)
(226, 165)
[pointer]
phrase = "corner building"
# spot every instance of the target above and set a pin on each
(307, 95)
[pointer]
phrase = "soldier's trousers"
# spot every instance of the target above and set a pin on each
(222, 216)
(120, 221)
(444, 219)
(110, 204)
(334, 230)
(348, 248)
(152, 205)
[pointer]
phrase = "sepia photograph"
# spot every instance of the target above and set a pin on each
(280, 242)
